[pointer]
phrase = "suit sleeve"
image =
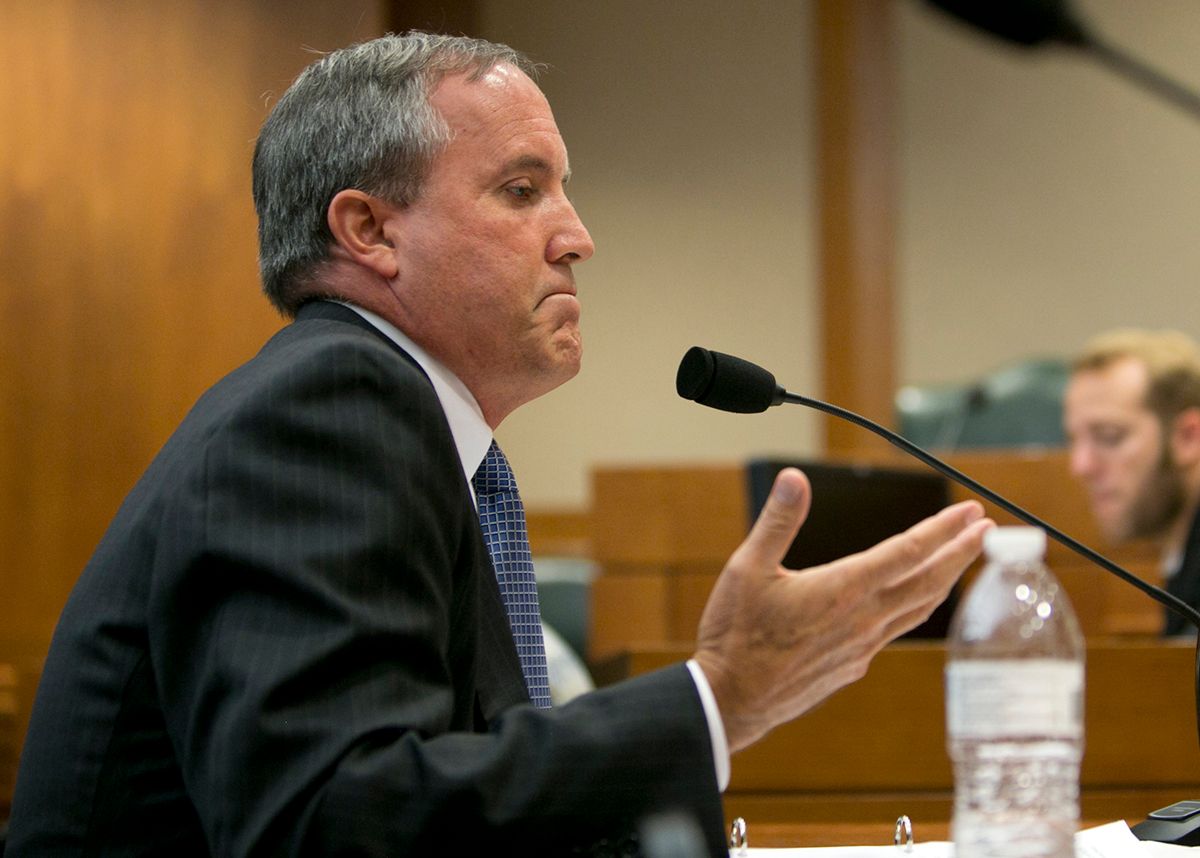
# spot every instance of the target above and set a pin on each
(313, 633)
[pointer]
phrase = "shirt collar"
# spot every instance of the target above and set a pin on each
(472, 435)
(1172, 561)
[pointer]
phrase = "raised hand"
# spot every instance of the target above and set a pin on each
(774, 642)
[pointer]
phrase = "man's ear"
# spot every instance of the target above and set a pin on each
(1185, 436)
(357, 222)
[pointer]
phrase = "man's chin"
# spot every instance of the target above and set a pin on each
(1113, 531)
(557, 368)
(1120, 533)
(567, 367)
(1114, 536)
(568, 352)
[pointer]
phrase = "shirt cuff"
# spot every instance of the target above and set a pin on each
(716, 727)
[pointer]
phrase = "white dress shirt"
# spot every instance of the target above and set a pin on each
(472, 437)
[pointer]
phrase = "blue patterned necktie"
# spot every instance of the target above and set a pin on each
(502, 516)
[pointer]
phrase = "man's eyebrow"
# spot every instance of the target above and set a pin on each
(537, 164)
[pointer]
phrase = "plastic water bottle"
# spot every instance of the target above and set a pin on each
(1014, 706)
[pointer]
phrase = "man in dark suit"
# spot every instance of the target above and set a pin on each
(292, 639)
(1131, 413)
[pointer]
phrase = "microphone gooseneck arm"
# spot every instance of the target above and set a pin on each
(1140, 73)
(1171, 602)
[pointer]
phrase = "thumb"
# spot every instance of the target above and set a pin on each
(785, 510)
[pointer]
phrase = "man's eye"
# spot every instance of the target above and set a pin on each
(1110, 437)
(522, 192)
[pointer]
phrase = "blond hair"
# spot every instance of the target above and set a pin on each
(1171, 358)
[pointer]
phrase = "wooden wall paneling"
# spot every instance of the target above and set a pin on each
(691, 591)
(9, 743)
(453, 17)
(673, 525)
(128, 273)
(635, 605)
(561, 532)
(856, 208)
(670, 514)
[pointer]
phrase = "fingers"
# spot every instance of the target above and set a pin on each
(937, 529)
(912, 572)
(933, 581)
(780, 519)
(957, 553)
(772, 644)
(897, 556)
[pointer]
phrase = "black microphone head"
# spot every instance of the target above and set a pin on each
(726, 382)
(1022, 22)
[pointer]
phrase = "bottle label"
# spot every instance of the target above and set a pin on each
(991, 698)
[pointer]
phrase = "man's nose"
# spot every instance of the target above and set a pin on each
(572, 242)
(1081, 460)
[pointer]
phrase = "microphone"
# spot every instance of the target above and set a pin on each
(1022, 22)
(729, 383)
(733, 384)
(726, 383)
(1030, 23)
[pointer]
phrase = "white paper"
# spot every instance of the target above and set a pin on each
(1113, 840)
(932, 849)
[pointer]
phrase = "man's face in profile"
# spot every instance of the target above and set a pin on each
(488, 246)
(1118, 451)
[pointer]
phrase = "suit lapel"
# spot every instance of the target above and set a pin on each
(499, 682)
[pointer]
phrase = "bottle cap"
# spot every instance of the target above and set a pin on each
(1015, 544)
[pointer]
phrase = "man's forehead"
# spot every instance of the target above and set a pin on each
(470, 97)
(503, 120)
(1116, 387)
(504, 75)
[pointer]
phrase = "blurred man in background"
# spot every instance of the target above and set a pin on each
(1132, 419)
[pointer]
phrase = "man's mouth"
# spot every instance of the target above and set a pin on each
(566, 293)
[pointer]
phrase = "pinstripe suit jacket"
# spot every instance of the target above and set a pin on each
(290, 641)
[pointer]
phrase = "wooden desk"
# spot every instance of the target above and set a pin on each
(874, 833)
(878, 832)
(876, 749)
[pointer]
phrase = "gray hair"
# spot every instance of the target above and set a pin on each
(357, 118)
